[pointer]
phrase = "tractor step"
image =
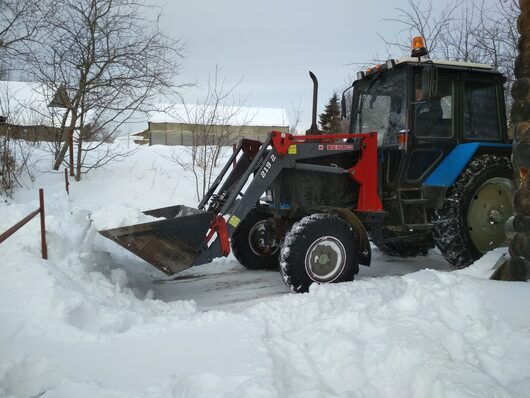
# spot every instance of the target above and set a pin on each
(415, 201)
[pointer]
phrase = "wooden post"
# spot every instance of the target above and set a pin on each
(66, 182)
(517, 267)
(44, 248)
(71, 151)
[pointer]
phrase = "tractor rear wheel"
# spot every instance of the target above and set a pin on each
(471, 220)
(319, 248)
(254, 242)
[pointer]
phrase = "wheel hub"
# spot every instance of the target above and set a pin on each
(488, 211)
(261, 239)
(325, 259)
(496, 216)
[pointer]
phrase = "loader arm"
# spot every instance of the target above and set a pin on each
(190, 237)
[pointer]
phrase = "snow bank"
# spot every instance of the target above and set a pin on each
(89, 322)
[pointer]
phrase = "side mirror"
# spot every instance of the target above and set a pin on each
(343, 107)
(429, 81)
(343, 110)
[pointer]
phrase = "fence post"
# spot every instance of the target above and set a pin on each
(66, 182)
(44, 248)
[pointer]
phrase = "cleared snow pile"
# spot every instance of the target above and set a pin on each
(86, 323)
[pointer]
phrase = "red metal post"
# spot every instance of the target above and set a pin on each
(26, 219)
(17, 226)
(233, 150)
(66, 182)
(44, 248)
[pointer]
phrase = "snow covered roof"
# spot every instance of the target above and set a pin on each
(447, 63)
(221, 115)
(26, 103)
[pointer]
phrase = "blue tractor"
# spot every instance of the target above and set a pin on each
(444, 155)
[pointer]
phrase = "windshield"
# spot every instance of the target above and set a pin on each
(379, 105)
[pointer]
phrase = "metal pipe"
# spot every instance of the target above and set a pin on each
(314, 128)
(18, 225)
(320, 168)
(44, 247)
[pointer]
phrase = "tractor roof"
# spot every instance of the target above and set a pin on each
(391, 63)
(456, 64)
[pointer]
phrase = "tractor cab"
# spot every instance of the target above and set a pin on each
(422, 109)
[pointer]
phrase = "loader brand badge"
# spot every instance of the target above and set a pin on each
(292, 150)
(341, 147)
(234, 221)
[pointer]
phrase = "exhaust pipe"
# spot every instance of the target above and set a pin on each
(314, 128)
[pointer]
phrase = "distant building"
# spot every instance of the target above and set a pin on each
(189, 124)
(33, 112)
(25, 112)
(141, 138)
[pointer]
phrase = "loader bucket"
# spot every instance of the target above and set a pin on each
(171, 245)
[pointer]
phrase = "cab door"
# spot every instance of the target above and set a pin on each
(433, 125)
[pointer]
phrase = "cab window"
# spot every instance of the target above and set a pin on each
(433, 117)
(481, 111)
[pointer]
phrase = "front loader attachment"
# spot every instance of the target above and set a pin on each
(171, 245)
(188, 237)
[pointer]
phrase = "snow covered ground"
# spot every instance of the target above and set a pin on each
(95, 321)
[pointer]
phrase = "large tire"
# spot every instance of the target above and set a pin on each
(319, 248)
(475, 209)
(254, 244)
(417, 246)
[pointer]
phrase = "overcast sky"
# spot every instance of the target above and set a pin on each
(271, 45)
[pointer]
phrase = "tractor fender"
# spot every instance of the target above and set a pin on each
(363, 243)
(445, 174)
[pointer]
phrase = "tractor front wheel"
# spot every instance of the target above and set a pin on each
(254, 242)
(471, 220)
(320, 248)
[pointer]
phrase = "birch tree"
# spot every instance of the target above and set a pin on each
(112, 61)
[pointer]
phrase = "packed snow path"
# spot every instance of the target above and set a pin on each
(225, 284)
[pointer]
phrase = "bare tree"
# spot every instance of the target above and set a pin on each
(497, 38)
(15, 164)
(214, 122)
(21, 21)
(15, 154)
(112, 61)
(420, 17)
(468, 31)
(295, 116)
